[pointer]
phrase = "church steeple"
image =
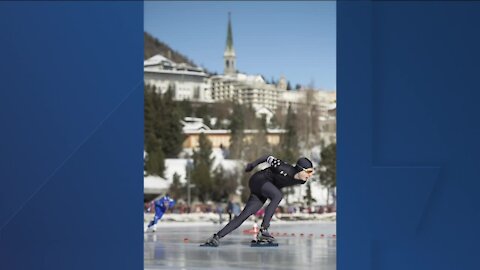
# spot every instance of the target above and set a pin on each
(229, 34)
(229, 54)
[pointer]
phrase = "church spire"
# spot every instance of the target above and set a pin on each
(229, 34)
(229, 54)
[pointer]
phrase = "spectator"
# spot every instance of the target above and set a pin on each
(230, 210)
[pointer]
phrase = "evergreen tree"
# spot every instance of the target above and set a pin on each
(237, 125)
(230, 183)
(308, 197)
(218, 124)
(155, 163)
(163, 134)
(150, 139)
(202, 164)
(207, 121)
(188, 176)
(258, 145)
(328, 176)
(205, 112)
(245, 177)
(155, 160)
(176, 188)
(186, 108)
(148, 111)
(249, 117)
(170, 129)
(202, 180)
(217, 181)
(223, 184)
(328, 167)
(158, 116)
(202, 111)
(289, 144)
(276, 120)
(263, 123)
(289, 86)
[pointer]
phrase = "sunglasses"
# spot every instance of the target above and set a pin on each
(309, 170)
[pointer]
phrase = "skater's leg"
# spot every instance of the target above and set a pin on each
(254, 203)
(156, 218)
(153, 222)
(275, 195)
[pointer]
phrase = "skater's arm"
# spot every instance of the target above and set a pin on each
(250, 166)
(302, 177)
(150, 206)
(299, 181)
(171, 203)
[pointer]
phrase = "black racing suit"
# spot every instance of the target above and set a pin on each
(264, 184)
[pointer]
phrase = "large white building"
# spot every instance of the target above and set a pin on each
(322, 100)
(190, 83)
(246, 89)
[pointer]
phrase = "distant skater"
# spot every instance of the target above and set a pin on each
(161, 206)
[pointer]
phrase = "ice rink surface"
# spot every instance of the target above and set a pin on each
(176, 246)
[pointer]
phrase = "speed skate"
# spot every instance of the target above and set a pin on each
(262, 241)
(265, 243)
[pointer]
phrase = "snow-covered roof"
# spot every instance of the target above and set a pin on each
(227, 131)
(193, 124)
(250, 78)
(156, 69)
(154, 184)
(264, 110)
(162, 65)
(209, 131)
(156, 60)
(192, 119)
(187, 127)
(246, 79)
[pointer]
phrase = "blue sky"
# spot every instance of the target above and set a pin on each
(296, 39)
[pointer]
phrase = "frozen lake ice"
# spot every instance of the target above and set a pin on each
(176, 246)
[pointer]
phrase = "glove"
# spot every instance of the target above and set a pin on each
(249, 167)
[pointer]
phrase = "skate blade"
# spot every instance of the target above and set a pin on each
(207, 245)
(263, 244)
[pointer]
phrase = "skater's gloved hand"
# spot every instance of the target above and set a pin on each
(249, 167)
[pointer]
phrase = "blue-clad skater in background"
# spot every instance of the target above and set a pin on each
(161, 206)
